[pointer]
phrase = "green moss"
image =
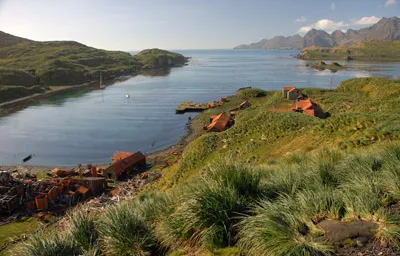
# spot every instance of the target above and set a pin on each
(18, 228)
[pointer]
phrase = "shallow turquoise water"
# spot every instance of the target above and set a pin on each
(88, 127)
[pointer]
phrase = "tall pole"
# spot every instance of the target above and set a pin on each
(330, 87)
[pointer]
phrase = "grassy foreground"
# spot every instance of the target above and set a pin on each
(273, 184)
(373, 50)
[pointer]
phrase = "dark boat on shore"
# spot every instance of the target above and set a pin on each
(27, 158)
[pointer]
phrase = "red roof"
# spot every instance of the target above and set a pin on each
(303, 104)
(287, 88)
(219, 123)
(120, 155)
(294, 88)
(127, 159)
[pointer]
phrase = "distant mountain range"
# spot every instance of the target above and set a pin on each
(385, 29)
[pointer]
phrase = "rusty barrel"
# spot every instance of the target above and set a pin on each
(60, 187)
(93, 171)
(41, 202)
(52, 194)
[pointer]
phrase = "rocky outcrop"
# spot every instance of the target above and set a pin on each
(157, 58)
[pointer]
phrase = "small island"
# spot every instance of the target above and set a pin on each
(321, 65)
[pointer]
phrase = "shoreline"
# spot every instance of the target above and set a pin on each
(12, 106)
(192, 132)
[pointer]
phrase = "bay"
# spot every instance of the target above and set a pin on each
(89, 126)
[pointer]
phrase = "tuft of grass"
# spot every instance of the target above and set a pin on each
(275, 230)
(389, 230)
(49, 245)
(83, 228)
(125, 232)
(208, 209)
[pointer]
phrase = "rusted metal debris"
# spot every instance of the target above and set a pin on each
(22, 194)
(124, 190)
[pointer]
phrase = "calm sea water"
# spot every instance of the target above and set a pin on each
(88, 127)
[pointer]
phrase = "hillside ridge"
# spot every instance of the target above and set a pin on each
(384, 29)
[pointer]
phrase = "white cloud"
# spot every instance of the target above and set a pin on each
(366, 21)
(300, 19)
(390, 2)
(333, 5)
(324, 24)
(304, 30)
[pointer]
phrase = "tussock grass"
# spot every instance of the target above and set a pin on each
(126, 232)
(208, 209)
(82, 228)
(261, 210)
(275, 230)
(49, 245)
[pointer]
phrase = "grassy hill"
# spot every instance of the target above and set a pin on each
(373, 50)
(63, 63)
(8, 39)
(273, 184)
(26, 63)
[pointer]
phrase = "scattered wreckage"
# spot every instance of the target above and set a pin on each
(22, 193)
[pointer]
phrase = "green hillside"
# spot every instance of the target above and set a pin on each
(373, 50)
(26, 63)
(363, 112)
(273, 184)
(65, 63)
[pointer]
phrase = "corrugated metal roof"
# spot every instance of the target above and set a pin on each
(219, 123)
(303, 104)
(127, 159)
(287, 88)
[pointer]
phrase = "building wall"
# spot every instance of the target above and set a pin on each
(293, 94)
(284, 93)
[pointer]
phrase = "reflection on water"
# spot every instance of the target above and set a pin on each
(157, 72)
(88, 126)
(58, 100)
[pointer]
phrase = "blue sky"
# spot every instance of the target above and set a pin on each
(183, 24)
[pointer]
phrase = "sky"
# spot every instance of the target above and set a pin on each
(183, 24)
